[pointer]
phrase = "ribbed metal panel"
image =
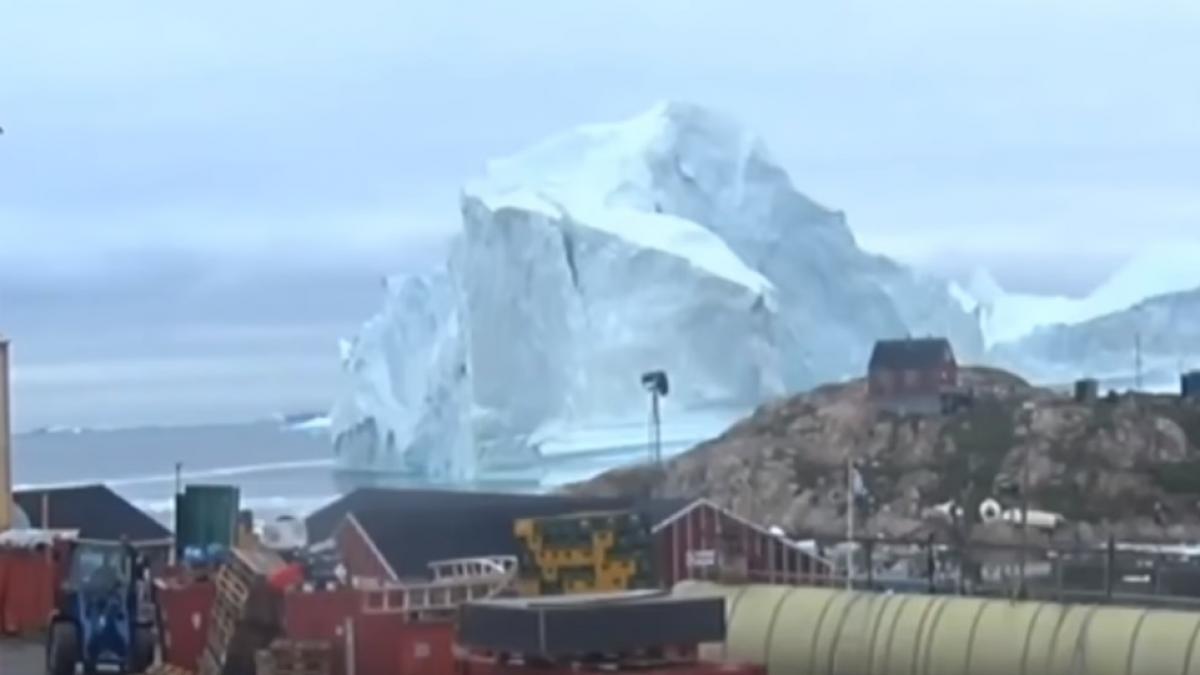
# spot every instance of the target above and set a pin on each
(820, 631)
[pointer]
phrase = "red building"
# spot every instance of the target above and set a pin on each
(692, 540)
(707, 542)
(912, 376)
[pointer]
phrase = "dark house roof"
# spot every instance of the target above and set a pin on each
(322, 523)
(412, 528)
(94, 510)
(910, 354)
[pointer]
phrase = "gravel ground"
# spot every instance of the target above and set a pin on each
(21, 657)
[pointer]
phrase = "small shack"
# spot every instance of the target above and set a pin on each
(912, 376)
(1087, 390)
(1189, 385)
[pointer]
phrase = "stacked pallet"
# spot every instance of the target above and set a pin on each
(585, 553)
(246, 615)
(295, 657)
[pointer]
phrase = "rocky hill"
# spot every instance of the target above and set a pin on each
(1123, 465)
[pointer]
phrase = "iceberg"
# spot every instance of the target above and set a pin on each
(405, 382)
(1010, 317)
(670, 241)
(1146, 346)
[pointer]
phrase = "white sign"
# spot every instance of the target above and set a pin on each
(705, 558)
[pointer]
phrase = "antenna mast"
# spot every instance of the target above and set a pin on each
(1137, 359)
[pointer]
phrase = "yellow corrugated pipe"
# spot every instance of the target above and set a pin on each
(810, 631)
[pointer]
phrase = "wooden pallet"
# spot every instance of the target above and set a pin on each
(291, 657)
(233, 587)
(220, 633)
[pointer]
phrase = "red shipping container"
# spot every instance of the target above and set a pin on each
(388, 644)
(185, 607)
(321, 615)
(28, 585)
(426, 649)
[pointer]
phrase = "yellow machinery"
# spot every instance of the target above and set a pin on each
(584, 553)
(802, 631)
(6, 496)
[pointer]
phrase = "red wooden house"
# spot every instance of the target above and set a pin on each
(912, 376)
(705, 541)
(692, 540)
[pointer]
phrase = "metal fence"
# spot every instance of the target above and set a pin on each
(1111, 573)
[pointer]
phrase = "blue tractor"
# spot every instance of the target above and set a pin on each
(99, 621)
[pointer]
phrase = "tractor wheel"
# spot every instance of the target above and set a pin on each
(143, 649)
(62, 652)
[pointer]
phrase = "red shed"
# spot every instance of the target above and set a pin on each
(705, 541)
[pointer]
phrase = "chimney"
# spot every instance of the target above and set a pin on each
(6, 496)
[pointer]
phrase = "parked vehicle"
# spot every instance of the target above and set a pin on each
(99, 620)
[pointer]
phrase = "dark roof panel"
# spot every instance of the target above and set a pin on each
(322, 523)
(911, 354)
(95, 510)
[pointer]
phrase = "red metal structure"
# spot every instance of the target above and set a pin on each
(384, 628)
(29, 578)
(185, 607)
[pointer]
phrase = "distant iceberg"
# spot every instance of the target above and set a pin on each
(1008, 317)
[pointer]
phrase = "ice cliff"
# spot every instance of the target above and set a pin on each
(669, 241)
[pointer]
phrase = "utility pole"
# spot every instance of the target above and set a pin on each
(656, 433)
(1024, 519)
(1027, 407)
(6, 497)
(849, 523)
(1137, 359)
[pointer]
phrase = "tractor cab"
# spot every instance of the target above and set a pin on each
(98, 620)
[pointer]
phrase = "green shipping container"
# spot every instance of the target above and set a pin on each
(206, 515)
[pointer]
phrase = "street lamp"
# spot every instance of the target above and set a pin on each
(657, 384)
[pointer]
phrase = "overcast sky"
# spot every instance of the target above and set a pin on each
(196, 199)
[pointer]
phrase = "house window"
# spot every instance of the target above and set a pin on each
(912, 379)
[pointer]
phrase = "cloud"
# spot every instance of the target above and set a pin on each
(181, 168)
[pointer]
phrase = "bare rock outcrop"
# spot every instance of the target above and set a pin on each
(1126, 466)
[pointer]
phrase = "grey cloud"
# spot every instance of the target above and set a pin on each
(186, 182)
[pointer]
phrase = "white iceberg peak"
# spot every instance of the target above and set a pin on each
(668, 241)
